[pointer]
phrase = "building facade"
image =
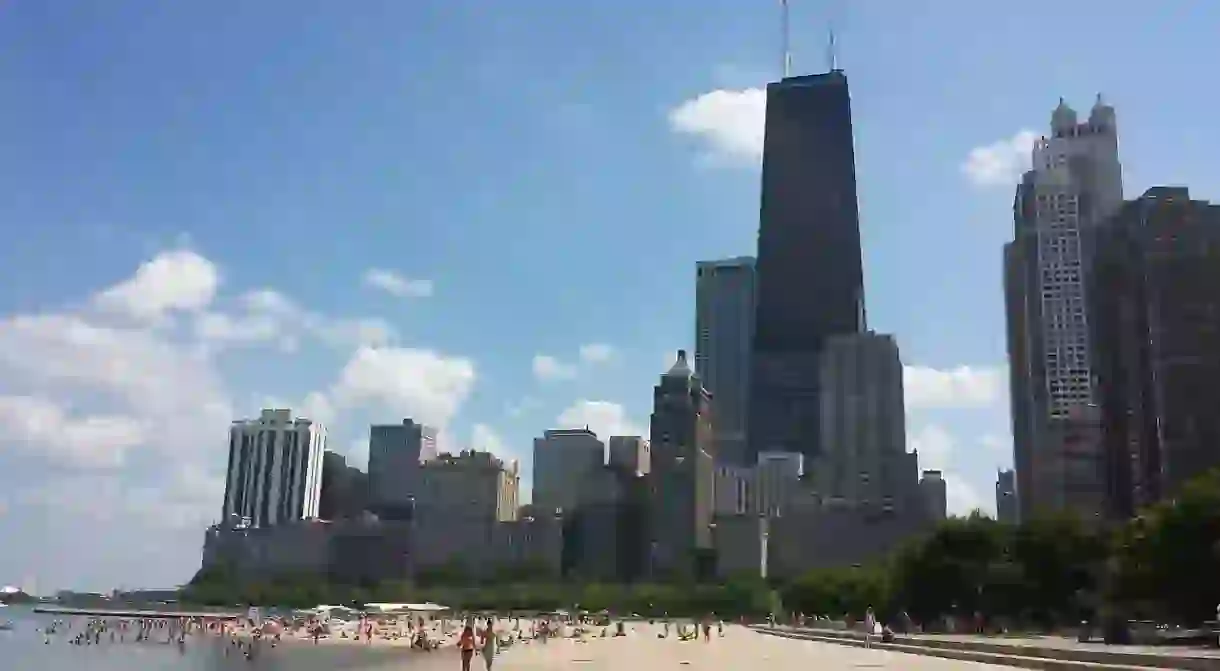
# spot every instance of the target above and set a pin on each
(734, 490)
(1155, 313)
(344, 488)
(562, 459)
(810, 279)
(724, 325)
(629, 454)
(863, 459)
(274, 470)
(934, 494)
(776, 479)
(471, 484)
(1006, 496)
(396, 452)
(1074, 186)
(682, 480)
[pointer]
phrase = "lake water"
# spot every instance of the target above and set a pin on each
(23, 649)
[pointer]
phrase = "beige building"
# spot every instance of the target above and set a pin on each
(470, 484)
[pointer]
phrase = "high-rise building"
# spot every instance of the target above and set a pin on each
(1006, 496)
(629, 454)
(682, 479)
(1155, 315)
(777, 477)
(810, 278)
(344, 488)
(734, 490)
(934, 494)
(724, 323)
(864, 459)
(275, 470)
(1074, 185)
(395, 454)
(562, 460)
(469, 486)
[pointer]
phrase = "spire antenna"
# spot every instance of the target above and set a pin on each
(785, 32)
(832, 51)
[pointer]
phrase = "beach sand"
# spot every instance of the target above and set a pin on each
(740, 648)
(642, 650)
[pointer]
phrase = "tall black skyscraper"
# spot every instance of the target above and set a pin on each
(810, 279)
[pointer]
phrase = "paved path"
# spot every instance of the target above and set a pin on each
(739, 650)
(1049, 641)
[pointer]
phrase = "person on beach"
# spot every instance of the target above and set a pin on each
(466, 646)
(870, 623)
(489, 644)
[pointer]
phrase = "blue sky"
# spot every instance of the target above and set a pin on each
(487, 218)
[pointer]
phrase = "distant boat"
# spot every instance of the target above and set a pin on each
(6, 626)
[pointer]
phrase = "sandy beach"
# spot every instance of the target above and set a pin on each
(740, 648)
(641, 650)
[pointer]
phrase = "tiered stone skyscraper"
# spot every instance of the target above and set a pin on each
(1075, 185)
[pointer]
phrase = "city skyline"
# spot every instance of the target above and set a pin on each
(426, 299)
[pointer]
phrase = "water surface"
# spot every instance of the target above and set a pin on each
(23, 649)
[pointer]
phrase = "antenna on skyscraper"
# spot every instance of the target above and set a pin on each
(784, 37)
(832, 52)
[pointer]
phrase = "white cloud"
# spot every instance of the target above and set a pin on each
(547, 367)
(522, 406)
(397, 285)
(961, 387)
(417, 383)
(602, 417)
(140, 369)
(1002, 162)
(596, 353)
(357, 453)
(172, 281)
(996, 443)
(268, 316)
(937, 451)
(729, 123)
(134, 373)
(934, 446)
(49, 430)
(485, 439)
(960, 497)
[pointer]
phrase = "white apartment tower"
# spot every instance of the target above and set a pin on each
(1074, 184)
(1077, 184)
(275, 470)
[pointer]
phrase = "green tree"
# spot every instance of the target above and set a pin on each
(949, 571)
(1166, 562)
(1060, 559)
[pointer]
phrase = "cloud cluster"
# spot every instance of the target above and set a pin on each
(728, 124)
(602, 417)
(547, 368)
(396, 285)
(114, 408)
(1002, 162)
(959, 387)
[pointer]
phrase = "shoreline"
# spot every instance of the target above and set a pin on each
(136, 613)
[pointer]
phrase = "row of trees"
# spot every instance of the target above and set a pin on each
(734, 599)
(1165, 565)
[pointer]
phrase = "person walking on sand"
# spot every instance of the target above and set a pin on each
(466, 646)
(870, 623)
(489, 644)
